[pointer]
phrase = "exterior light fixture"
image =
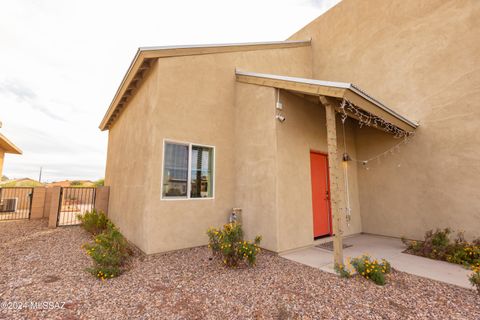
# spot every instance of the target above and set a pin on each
(346, 157)
(280, 118)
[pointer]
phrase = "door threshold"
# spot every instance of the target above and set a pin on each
(318, 240)
(322, 237)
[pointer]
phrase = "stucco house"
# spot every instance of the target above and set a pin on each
(294, 133)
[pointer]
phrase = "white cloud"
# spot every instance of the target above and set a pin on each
(61, 63)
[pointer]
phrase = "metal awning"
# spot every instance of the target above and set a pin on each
(369, 106)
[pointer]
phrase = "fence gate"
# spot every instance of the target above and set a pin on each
(73, 202)
(15, 203)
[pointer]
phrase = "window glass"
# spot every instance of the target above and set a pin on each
(201, 172)
(175, 171)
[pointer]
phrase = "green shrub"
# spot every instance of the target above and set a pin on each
(440, 238)
(109, 251)
(468, 255)
(94, 221)
(475, 277)
(228, 243)
(437, 245)
(342, 271)
(372, 269)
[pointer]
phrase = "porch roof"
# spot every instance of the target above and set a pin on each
(339, 90)
(8, 146)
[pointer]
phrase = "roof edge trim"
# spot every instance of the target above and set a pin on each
(8, 146)
(222, 45)
(146, 53)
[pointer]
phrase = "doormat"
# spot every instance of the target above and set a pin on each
(329, 245)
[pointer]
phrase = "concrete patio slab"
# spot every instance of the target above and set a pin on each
(384, 248)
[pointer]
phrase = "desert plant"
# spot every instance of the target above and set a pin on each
(109, 251)
(228, 243)
(371, 269)
(468, 255)
(342, 271)
(475, 276)
(437, 245)
(93, 221)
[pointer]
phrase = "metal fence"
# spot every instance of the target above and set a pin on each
(74, 202)
(15, 203)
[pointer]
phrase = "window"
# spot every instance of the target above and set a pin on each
(175, 171)
(187, 171)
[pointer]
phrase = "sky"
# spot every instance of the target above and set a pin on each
(61, 63)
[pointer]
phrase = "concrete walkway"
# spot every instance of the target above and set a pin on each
(386, 248)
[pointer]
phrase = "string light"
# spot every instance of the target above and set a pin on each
(368, 119)
(371, 120)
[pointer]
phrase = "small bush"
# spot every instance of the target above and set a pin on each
(94, 221)
(372, 269)
(437, 245)
(342, 271)
(475, 277)
(109, 251)
(468, 255)
(228, 243)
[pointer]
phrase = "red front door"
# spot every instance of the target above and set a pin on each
(322, 218)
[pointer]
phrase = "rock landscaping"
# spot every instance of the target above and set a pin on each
(42, 265)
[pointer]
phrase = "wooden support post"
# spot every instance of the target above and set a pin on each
(334, 175)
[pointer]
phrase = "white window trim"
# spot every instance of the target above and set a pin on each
(189, 174)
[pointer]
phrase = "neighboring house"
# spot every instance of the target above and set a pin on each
(197, 130)
(24, 182)
(71, 183)
(6, 146)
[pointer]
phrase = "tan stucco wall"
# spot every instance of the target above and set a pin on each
(422, 59)
(189, 99)
(48, 202)
(101, 199)
(129, 153)
(304, 130)
(255, 162)
(2, 155)
(38, 203)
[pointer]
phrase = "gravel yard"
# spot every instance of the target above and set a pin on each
(39, 264)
